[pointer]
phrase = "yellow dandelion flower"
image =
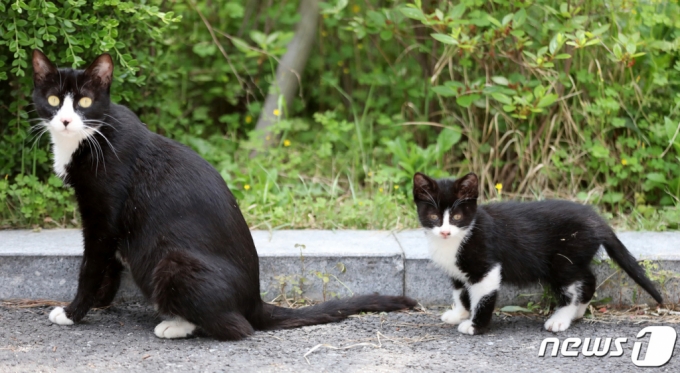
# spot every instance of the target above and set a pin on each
(356, 9)
(324, 34)
(396, 187)
(246, 187)
(499, 187)
(268, 138)
(360, 46)
(340, 63)
(624, 161)
(370, 173)
(277, 112)
(380, 190)
(345, 71)
(249, 119)
(286, 142)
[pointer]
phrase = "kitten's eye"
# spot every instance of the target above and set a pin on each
(457, 217)
(85, 102)
(53, 100)
(434, 217)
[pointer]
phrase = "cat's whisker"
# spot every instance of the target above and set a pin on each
(100, 123)
(38, 136)
(114, 119)
(104, 137)
(96, 148)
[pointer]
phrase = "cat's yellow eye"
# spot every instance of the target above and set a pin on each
(434, 217)
(85, 102)
(53, 100)
(457, 217)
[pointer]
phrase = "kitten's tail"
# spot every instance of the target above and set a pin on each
(618, 252)
(274, 317)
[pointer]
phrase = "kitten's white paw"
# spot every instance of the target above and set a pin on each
(466, 327)
(175, 328)
(557, 324)
(455, 316)
(58, 316)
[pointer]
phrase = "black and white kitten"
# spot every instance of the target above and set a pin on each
(158, 207)
(481, 247)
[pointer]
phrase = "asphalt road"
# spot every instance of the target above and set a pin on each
(121, 339)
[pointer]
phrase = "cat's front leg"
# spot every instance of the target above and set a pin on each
(461, 304)
(482, 302)
(97, 259)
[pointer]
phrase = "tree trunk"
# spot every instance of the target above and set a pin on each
(289, 71)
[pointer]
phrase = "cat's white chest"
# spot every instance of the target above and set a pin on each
(63, 149)
(444, 253)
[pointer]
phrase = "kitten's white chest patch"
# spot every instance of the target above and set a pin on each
(444, 252)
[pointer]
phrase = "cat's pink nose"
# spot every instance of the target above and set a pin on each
(66, 121)
(445, 233)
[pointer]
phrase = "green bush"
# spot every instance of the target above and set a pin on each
(540, 98)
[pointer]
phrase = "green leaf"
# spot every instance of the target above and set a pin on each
(444, 91)
(657, 177)
(493, 20)
(500, 80)
(446, 39)
(519, 18)
(447, 138)
(599, 151)
(413, 13)
(547, 100)
(467, 100)
(457, 11)
(502, 98)
(386, 34)
(671, 128)
(601, 30)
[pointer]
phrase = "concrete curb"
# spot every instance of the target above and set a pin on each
(325, 264)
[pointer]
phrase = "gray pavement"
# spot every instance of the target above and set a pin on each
(120, 339)
(35, 265)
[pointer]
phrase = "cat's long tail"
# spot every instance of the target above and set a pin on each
(274, 317)
(618, 252)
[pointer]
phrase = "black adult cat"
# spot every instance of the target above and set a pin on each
(155, 205)
(481, 247)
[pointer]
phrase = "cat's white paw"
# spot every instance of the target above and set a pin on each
(175, 328)
(557, 323)
(466, 327)
(58, 316)
(455, 316)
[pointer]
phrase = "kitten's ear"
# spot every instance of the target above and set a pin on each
(424, 187)
(468, 187)
(101, 70)
(42, 66)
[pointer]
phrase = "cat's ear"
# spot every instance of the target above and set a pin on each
(42, 66)
(424, 187)
(468, 187)
(101, 70)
